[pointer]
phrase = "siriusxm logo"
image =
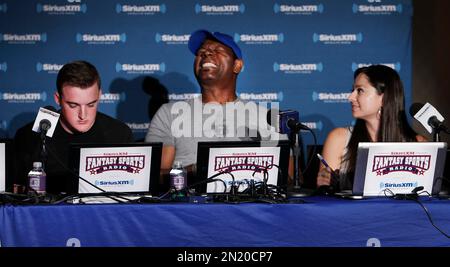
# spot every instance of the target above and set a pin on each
(24, 97)
(138, 127)
(180, 97)
(172, 38)
(3, 7)
(219, 10)
(399, 185)
(259, 38)
(140, 68)
(12, 38)
(48, 67)
(112, 98)
(297, 68)
(377, 9)
(61, 9)
(3, 66)
(262, 96)
(330, 97)
(141, 9)
(396, 66)
(318, 125)
(337, 38)
(101, 38)
(114, 183)
(297, 9)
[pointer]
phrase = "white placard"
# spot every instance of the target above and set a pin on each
(52, 116)
(242, 162)
(425, 113)
(115, 169)
(400, 168)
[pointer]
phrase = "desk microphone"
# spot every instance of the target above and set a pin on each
(44, 126)
(285, 121)
(45, 121)
(429, 117)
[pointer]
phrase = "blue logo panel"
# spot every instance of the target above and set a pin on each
(301, 54)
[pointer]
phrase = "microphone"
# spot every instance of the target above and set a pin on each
(44, 125)
(430, 118)
(296, 126)
(45, 121)
(285, 121)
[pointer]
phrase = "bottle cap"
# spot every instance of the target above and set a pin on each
(37, 164)
(177, 164)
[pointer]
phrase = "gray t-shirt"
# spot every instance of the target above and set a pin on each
(183, 124)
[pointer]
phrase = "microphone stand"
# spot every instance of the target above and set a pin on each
(436, 137)
(44, 148)
(296, 189)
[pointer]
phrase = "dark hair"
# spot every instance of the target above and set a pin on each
(77, 73)
(394, 126)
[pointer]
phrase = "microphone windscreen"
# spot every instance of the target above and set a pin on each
(272, 116)
(45, 124)
(415, 108)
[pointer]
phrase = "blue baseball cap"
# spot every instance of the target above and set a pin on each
(198, 37)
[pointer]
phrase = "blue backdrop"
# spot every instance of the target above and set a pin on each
(299, 53)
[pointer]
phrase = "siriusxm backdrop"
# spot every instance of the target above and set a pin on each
(299, 53)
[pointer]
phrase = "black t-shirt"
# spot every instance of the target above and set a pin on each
(28, 149)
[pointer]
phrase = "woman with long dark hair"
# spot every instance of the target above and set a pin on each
(378, 105)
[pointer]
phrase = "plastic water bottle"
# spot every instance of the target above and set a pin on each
(178, 176)
(37, 178)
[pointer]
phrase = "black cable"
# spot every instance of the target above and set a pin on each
(211, 179)
(416, 199)
(116, 196)
(269, 190)
(431, 219)
(273, 194)
(314, 152)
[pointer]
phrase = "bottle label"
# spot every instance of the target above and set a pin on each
(177, 181)
(37, 183)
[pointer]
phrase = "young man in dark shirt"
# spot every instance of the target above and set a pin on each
(78, 93)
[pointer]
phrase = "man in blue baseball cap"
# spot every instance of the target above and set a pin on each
(217, 63)
(181, 125)
(198, 37)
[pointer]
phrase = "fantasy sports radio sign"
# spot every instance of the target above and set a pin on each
(401, 166)
(256, 163)
(245, 163)
(416, 164)
(132, 164)
(121, 169)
